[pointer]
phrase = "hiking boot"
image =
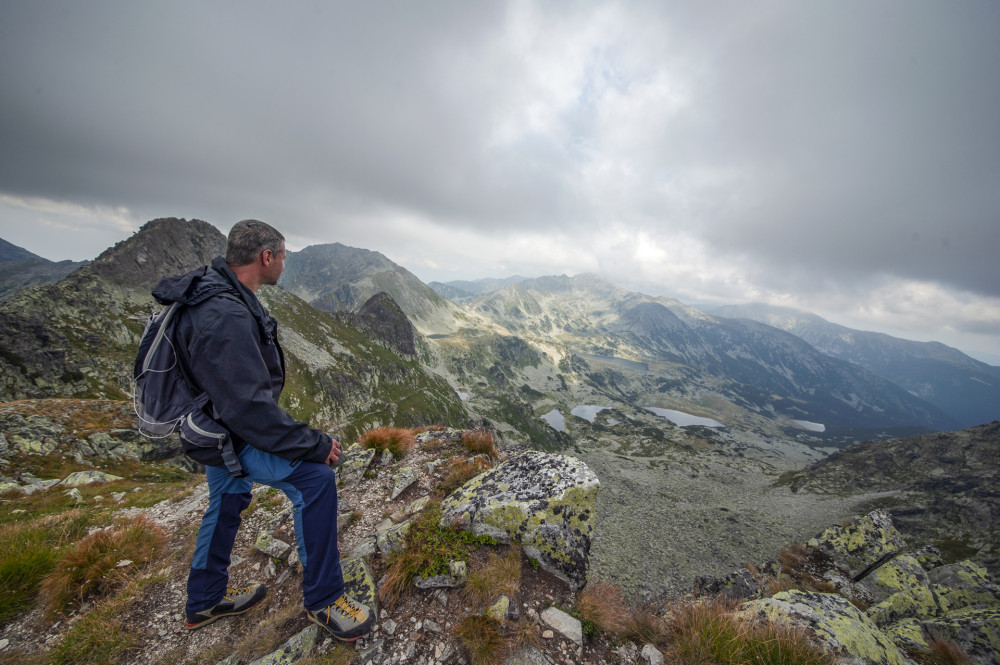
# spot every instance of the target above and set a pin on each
(236, 601)
(345, 618)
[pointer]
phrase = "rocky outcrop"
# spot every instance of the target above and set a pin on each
(544, 502)
(940, 489)
(890, 601)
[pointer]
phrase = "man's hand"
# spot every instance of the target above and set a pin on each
(334, 455)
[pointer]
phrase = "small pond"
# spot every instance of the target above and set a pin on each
(621, 362)
(555, 420)
(587, 411)
(682, 419)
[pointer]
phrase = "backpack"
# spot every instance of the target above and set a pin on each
(167, 401)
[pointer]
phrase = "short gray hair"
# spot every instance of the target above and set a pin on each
(247, 239)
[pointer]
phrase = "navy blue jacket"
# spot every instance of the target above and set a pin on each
(228, 345)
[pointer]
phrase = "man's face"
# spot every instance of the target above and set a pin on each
(274, 268)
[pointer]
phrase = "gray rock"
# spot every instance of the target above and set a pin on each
(87, 477)
(436, 582)
(405, 477)
(651, 655)
(292, 650)
(272, 546)
(528, 656)
(499, 609)
(355, 462)
(863, 544)
(365, 548)
(564, 624)
(393, 538)
(544, 502)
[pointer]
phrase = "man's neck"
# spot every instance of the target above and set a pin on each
(248, 275)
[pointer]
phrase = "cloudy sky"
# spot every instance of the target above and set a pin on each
(838, 156)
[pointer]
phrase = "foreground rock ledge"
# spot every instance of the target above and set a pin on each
(543, 501)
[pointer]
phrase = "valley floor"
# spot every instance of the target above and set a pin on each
(662, 522)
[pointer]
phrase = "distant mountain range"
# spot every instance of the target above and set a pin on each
(19, 268)
(966, 389)
(520, 347)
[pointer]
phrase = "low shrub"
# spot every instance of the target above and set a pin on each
(945, 652)
(397, 440)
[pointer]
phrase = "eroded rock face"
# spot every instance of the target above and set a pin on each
(863, 544)
(543, 501)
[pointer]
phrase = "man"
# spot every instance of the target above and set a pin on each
(227, 345)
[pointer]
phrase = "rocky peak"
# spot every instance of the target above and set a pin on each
(381, 317)
(167, 246)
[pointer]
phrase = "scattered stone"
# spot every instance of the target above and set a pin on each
(417, 505)
(528, 656)
(432, 626)
(389, 626)
(386, 459)
(548, 634)
(293, 557)
(292, 650)
(651, 655)
(123, 563)
(499, 609)
(272, 546)
(355, 461)
(436, 582)
(564, 624)
(366, 547)
(393, 539)
(458, 569)
(405, 477)
(75, 495)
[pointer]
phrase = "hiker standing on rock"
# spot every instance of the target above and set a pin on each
(227, 346)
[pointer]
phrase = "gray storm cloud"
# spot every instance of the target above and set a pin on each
(810, 144)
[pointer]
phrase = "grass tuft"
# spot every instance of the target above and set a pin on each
(497, 576)
(95, 565)
(461, 471)
(481, 442)
(28, 553)
(602, 606)
(945, 652)
(483, 640)
(710, 631)
(397, 440)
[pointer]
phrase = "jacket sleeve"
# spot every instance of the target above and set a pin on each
(226, 360)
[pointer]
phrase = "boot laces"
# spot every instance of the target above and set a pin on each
(347, 607)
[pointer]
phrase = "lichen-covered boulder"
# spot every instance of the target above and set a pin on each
(358, 582)
(543, 501)
(78, 478)
(976, 630)
(900, 574)
(862, 544)
(355, 460)
(836, 623)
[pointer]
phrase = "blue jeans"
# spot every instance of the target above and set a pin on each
(312, 489)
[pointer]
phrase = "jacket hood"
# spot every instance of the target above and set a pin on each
(194, 287)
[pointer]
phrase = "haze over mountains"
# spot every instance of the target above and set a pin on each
(574, 364)
(735, 365)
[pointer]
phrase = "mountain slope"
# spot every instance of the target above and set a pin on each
(20, 269)
(943, 487)
(338, 278)
(964, 388)
(78, 337)
(755, 366)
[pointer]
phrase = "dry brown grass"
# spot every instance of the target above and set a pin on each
(481, 442)
(710, 632)
(499, 575)
(603, 605)
(645, 626)
(397, 440)
(483, 640)
(96, 565)
(461, 471)
(945, 652)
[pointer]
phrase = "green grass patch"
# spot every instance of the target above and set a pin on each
(429, 549)
(28, 553)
